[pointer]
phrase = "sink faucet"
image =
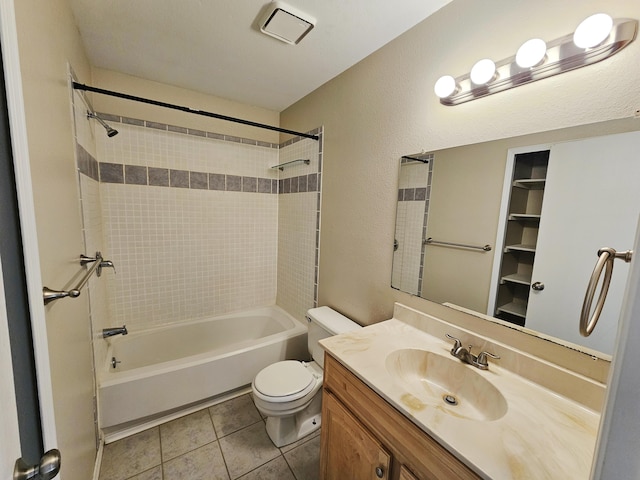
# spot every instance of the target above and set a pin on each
(110, 332)
(465, 355)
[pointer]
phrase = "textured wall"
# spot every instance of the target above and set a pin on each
(384, 107)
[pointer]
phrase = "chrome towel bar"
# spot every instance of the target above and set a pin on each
(280, 167)
(606, 256)
(98, 262)
(431, 241)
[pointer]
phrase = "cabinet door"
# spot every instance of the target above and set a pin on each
(348, 450)
(591, 200)
(406, 474)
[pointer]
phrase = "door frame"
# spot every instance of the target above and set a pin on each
(502, 219)
(20, 147)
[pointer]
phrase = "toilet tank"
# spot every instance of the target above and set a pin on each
(323, 323)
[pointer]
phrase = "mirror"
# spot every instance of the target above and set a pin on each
(452, 227)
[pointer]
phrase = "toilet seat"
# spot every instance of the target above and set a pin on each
(284, 381)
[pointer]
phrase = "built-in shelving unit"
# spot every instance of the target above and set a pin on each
(521, 234)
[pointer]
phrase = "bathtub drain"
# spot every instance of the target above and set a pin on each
(450, 399)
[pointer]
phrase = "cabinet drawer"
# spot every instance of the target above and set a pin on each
(409, 445)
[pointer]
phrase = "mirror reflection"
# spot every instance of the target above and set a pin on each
(511, 228)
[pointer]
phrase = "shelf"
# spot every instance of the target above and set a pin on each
(517, 309)
(524, 216)
(520, 248)
(522, 279)
(530, 183)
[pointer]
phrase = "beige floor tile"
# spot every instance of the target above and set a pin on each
(293, 445)
(276, 469)
(154, 474)
(305, 460)
(131, 456)
(247, 449)
(204, 463)
(234, 414)
(185, 434)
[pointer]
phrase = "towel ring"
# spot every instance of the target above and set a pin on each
(606, 256)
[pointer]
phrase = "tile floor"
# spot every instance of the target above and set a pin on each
(227, 441)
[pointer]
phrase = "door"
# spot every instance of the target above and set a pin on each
(9, 436)
(10, 449)
(348, 449)
(601, 210)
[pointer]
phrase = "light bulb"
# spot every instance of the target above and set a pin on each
(445, 86)
(531, 53)
(483, 71)
(593, 30)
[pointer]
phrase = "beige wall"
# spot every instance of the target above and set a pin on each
(384, 107)
(48, 40)
(128, 84)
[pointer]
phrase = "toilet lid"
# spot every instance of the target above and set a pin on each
(283, 378)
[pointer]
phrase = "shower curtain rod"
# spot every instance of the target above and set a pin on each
(80, 86)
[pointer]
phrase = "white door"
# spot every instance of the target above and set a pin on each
(591, 200)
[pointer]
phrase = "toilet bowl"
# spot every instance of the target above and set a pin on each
(289, 393)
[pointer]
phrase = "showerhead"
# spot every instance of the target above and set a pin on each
(111, 132)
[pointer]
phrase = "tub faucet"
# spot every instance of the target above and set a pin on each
(110, 332)
(465, 355)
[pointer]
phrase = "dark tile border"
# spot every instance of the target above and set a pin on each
(87, 165)
(202, 134)
(164, 177)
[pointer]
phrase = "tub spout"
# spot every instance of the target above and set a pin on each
(110, 332)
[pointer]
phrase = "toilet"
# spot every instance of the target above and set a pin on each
(289, 393)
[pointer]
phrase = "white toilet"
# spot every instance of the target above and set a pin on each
(289, 393)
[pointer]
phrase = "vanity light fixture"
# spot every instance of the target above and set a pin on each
(596, 38)
(483, 72)
(445, 86)
(531, 53)
(593, 30)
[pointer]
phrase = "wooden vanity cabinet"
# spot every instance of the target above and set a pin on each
(363, 437)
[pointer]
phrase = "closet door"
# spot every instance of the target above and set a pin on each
(591, 200)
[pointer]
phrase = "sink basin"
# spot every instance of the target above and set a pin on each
(435, 381)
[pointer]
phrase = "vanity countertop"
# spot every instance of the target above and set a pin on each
(542, 435)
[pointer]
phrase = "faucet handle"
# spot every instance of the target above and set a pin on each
(457, 341)
(481, 361)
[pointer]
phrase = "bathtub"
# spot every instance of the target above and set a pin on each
(165, 368)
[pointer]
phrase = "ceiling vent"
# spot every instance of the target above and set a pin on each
(286, 23)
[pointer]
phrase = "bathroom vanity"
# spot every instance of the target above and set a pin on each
(397, 405)
(365, 436)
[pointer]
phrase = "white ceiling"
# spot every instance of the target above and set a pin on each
(215, 46)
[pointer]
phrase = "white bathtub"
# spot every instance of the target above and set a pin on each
(173, 366)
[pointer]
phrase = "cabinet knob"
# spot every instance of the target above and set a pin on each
(379, 472)
(538, 286)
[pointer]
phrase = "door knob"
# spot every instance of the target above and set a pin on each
(48, 467)
(538, 286)
(379, 472)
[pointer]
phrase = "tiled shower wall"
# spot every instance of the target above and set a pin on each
(192, 222)
(89, 192)
(411, 223)
(299, 226)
